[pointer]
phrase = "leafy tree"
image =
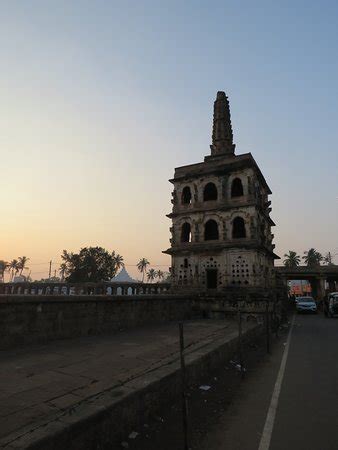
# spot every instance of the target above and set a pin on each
(22, 261)
(312, 258)
(142, 266)
(166, 277)
(151, 275)
(291, 259)
(92, 264)
(63, 271)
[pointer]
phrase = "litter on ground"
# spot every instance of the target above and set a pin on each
(133, 435)
(205, 387)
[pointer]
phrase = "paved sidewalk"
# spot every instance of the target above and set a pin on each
(37, 384)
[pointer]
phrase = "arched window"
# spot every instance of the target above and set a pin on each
(237, 188)
(186, 196)
(238, 228)
(211, 230)
(210, 192)
(186, 232)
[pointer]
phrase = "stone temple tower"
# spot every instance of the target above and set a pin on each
(221, 226)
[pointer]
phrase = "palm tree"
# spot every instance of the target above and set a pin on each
(312, 258)
(3, 268)
(159, 275)
(151, 275)
(22, 263)
(118, 261)
(142, 266)
(291, 259)
(328, 259)
(63, 271)
(14, 269)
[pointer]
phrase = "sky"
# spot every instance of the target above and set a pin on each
(100, 101)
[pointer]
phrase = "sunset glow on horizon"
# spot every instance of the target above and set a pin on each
(102, 100)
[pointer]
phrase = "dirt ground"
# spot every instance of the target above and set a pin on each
(165, 430)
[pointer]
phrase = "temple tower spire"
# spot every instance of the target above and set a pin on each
(222, 137)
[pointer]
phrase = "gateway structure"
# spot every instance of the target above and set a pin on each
(221, 226)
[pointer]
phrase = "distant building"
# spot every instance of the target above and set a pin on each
(299, 287)
(221, 226)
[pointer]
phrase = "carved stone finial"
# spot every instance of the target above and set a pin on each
(222, 137)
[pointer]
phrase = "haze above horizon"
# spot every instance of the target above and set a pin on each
(102, 100)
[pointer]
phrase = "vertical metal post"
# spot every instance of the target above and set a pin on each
(267, 327)
(183, 381)
(276, 319)
(50, 269)
(240, 348)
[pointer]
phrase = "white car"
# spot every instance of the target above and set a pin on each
(331, 304)
(306, 304)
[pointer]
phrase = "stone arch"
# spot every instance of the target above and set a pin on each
(237, 188)
(238, 228)
(211, 232)
(186, 232)
(186, 195)
(210, 192)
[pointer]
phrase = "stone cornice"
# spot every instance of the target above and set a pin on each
(216, 206)
(218, 166)
(217, 246)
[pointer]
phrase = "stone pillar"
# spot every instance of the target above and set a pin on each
(318, 288)
(332, 285)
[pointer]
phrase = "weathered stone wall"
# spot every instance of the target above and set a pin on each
(245, 261)
(236, 268)
(37, 319)
(104, 420)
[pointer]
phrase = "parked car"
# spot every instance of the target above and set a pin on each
(306, 304)
(331, 304)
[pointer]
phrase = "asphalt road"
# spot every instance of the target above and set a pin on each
(307, 413)
(306, 416)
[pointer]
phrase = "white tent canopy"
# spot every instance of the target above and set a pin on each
(123, 277)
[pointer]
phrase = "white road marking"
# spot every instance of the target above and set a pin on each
(270, 418)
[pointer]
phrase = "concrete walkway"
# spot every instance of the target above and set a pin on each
(38, 384)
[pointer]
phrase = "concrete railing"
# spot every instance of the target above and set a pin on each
(104, 288)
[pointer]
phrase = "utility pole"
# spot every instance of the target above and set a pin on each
(50, 269)
(183, 387)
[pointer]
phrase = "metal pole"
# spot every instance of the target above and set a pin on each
(183, 381)
(276, 317)
(267, 327)
(240, 349)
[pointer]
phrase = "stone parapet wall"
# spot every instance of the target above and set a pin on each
(28, 320)
(36, 319)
